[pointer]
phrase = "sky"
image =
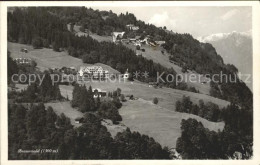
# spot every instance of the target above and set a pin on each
(198, 21)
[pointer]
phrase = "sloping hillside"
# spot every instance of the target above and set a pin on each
(160, 123)
(47, 58)
(46, 27)
(157, 56)
(65, 107)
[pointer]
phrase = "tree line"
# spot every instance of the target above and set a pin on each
(197, 142)
(209, 111)
(236, 136)
(38, 92)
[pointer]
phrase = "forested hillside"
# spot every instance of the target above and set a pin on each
(47, 27)
(39, 127)
(41, 28)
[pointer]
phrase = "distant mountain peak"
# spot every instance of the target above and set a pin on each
(221, 36)
(235, 48)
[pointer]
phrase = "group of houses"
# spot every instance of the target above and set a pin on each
(118, 37)
(27, 61)
(132, 27)
(137, 41)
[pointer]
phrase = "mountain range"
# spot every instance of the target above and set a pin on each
(235, 48)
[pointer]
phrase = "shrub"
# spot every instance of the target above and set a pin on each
(131, 97)
(122, 98)
(155, 100)
(184, 69)
(34, 64)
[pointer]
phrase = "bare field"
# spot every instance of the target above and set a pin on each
(160, 123)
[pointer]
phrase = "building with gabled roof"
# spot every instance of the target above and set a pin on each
(93, 71)
(132, 27)
(116, 35)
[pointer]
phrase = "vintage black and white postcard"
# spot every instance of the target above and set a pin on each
(112, 82)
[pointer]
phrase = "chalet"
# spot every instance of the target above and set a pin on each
(55, 69)
(79, 120)
(98, 93)
(72, 69)
(81, 34)
(137, 43)
(70, 27)
(135, 40)
(153, 84)
(152, 44)
(24, 50)
(117, 35)
(126, 75)
(66, 70)
(132, 27)
(146, 40)
(87, 31)
(27, 61)
(93, 71)
(143, 42)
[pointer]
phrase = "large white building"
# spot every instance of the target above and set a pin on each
(132, 27)
(94, 72)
